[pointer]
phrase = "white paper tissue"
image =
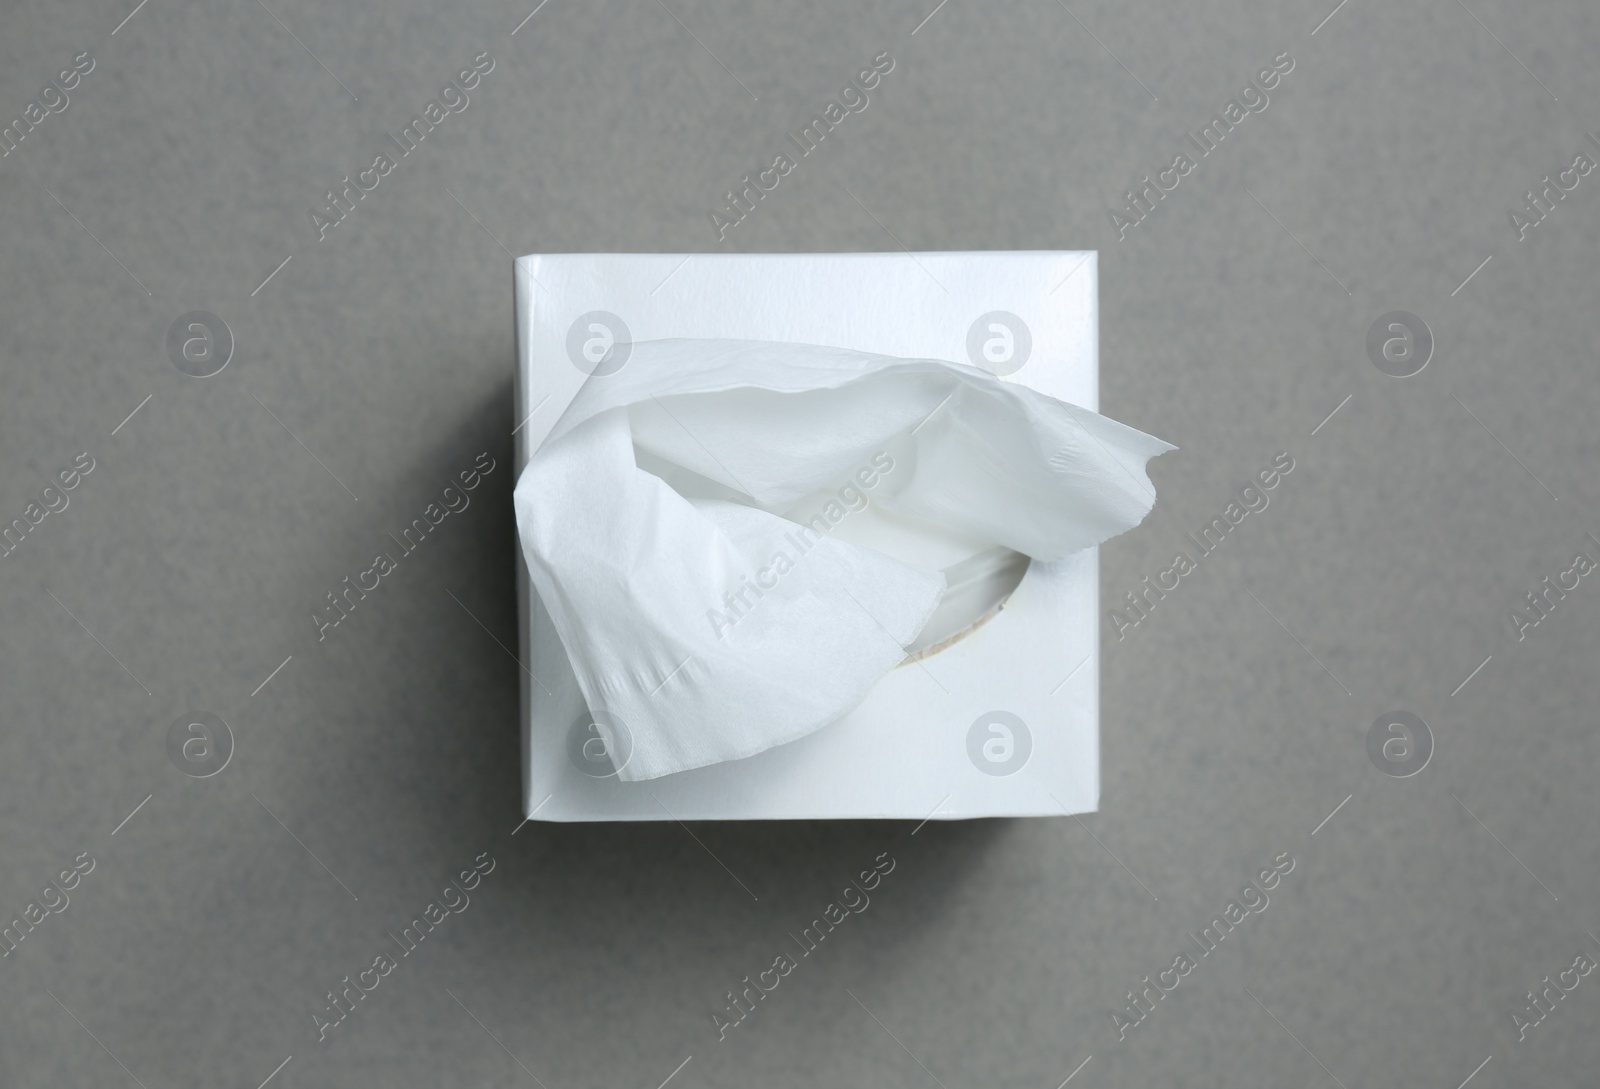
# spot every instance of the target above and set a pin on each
(688, 525)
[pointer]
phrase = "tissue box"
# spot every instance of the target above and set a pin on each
(1002, 722)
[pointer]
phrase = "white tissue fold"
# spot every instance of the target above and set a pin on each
(677, 527)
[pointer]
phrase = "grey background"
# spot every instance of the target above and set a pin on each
(1416, 518)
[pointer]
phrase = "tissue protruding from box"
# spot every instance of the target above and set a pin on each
(735, 540)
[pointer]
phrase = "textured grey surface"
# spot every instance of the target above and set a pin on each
(198, 947)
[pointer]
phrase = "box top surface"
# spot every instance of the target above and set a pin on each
(905, 751)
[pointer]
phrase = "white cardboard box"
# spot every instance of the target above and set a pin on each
(1002, 723)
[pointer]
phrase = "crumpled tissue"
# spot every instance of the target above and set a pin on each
(666, 523)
